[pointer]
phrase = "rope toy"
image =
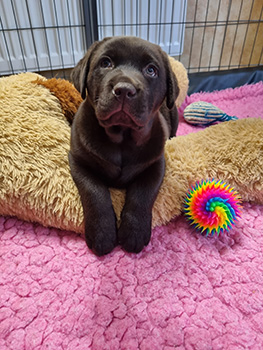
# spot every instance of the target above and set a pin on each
(212, 207)
(205, 114)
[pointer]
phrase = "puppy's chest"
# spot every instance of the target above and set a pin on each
(125, 163)
(122, 166)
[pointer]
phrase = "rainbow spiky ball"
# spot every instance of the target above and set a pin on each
(212, 206)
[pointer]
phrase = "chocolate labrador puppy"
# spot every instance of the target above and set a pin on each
(118, 137)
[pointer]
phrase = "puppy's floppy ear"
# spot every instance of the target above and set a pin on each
(80, 72)
(172, 90)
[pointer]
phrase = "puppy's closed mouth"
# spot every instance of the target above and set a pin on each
(120, 118)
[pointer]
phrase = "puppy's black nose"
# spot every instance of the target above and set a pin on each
(124, 90)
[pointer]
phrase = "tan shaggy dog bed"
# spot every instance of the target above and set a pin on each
(35, 181)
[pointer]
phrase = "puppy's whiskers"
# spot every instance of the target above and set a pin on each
(96, 100)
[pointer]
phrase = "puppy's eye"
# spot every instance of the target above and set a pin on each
(151, 71)
(106, 63)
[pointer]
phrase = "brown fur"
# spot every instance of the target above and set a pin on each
(118, 137)
(68, 96)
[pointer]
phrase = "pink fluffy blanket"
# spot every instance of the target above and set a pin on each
(184, 291)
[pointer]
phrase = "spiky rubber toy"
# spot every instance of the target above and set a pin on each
(212, 206)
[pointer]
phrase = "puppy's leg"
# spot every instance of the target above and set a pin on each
(99, 216)
(136, 218)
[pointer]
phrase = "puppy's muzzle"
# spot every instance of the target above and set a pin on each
(124, 91)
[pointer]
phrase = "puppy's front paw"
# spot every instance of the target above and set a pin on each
(101, 239)
(134, 233)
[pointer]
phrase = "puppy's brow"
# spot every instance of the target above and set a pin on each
(147, 57)
(144, 56)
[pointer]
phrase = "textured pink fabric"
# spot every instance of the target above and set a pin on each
(184, 291)
(243, 102)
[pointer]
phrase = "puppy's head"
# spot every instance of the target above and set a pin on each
(126, 80)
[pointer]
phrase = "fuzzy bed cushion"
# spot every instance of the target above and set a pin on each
(184, 291)
(35, 179)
